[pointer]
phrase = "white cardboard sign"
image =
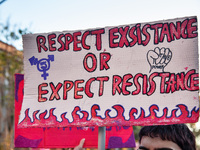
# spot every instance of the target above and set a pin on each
(137, 74)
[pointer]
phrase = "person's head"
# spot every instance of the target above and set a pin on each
(166, 137)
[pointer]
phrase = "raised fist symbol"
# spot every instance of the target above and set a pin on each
(159, 58)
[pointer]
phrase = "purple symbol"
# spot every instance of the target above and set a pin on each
(43, 65)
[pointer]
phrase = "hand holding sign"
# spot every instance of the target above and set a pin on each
(80, 146)
(159, 58)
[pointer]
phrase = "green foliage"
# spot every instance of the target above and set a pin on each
(11, 62)
(1, 2)
(11, 33)
(196, 131)
(136, 130)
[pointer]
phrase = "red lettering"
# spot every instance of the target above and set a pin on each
(76, 41)
(123, 40)
(156, 34)
(98, 37)
(55, 90)
(171, 84)
(41, 40)
(78, 89)
(112, 37)
(180, 81)
(101, 85)
(152, 84)
(83, 40)
(145, 85)
(42, 92)
(165, 31)
(137, 84)
(162, 85)
(175, 31)
(191, 74)
(87, 87)
(51, 42)
(191, 29)
(183, 29)
(116, 82)
(67, 87)
(194, 86)
(93, 63)
(62, 47)
(125, 84)
(68, 40)
(132, 36)
(104, 58)
(139, 36)
(144, 31)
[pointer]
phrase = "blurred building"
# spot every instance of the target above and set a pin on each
(11, 62)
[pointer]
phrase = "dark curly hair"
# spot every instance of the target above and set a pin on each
(177, 133)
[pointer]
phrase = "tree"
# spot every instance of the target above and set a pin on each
(1, 2)
(11, 34)
(11, 62)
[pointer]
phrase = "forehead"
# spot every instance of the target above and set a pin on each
(157, 143)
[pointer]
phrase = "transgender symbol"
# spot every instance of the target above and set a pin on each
(159, 58)
(43, 65)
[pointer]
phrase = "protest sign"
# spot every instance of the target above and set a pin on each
(116, 137)
(137, 74)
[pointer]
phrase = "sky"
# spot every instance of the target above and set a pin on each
(41, 16)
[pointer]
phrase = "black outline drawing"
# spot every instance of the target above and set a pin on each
(159, 58)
